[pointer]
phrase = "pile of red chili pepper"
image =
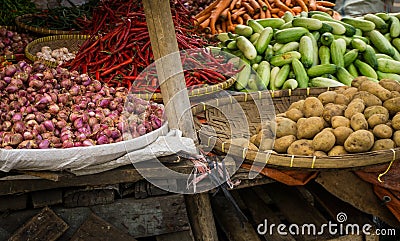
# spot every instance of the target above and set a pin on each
(119, 48)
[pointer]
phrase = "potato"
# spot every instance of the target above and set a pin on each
(357, 81)
(395, 94)
(281, 144)
(341, 99)
(358, 122)
(396, 138)
(281, 114)
(369, 111)
(396, 122)
(324, 141)
(337, 151)
(355, 106)
(327, 97)
(307, 128)
(341, 89)
(285, 127)
(375, 89)
(319, 153)
(393, 105)
(382, 131)
(337, 121)
(266, 124)
(312, 107)
(389, 84)
(342, 133)
(383, 144)
(377, 119)
(243, 142)
(294, 114)
(266, 144)
(331, 110)
(301, 147)
(359, 141)
(297, 105)
(350, 92)
(368, 98)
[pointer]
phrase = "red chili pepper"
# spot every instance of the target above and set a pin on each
(116, 67)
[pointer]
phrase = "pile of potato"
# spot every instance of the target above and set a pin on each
(360, 118)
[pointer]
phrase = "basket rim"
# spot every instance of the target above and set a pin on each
(33, 58)
(44, 31)
(271, 158)
(199, 91)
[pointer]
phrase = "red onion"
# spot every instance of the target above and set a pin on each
(67, 144)
(102, 139)
(11, 88)
(92, 121)
(63, 115)
(7, 79)
(88, 143)
(74, 90)
(141, 129)
(7, 125)
(61, 123)
(73, 117)
(10, 70)
(32, 123)
(66, 83)
(29, 117)
(48, 124)
(28, 135)
(54, 109)
(104, 103)
(86, 80)
(44, 144)
(77, 144)
(19, 127)
(78, 123)
(28, 144)
(16, 139)
(17, 117)
(47, 135)
(63, 98)
(97, 85)
(3, 84)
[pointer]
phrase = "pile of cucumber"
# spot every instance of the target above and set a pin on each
(314, 50)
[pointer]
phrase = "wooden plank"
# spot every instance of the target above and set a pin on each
(13, 202)
(260, 212)
(348, 187)
(95, 228)
(44, 226)
(84, 198)
(10, 222)
(178, 236)
(348, 238)
(295, 208)
(227, 218)
(46, 198)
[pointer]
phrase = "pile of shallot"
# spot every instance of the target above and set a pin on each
(45, 107)
(58, 56)
(12, 42)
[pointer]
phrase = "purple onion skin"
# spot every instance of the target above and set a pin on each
(44, 144)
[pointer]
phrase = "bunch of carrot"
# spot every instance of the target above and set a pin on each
(120, 47)
(224, 15)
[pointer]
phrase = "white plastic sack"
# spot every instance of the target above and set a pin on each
(359, 7)
(76, 158)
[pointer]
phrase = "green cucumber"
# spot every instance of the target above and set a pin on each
(306, 50)
(326, 39)
(382, 75)
(248, 49)
(274, 73)
(282, 75)
(243, 30)
(352, 70)
(291, 46)
(243, 76)
(389, 66)
(311, 24)
(290, 84)
(285, 58)
(264, 40)
(337, 28)
(324, 54)
(365, 69)
(300, 73)
(344, 76)
(324, 82)
(358, 44)
(257, 27)
(369, 56)
(271, 22)
(290, 34)
(264, 74)
(319, 70)
(350, 57)
(362, 24)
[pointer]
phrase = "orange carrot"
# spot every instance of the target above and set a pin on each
(246, 17)
(275, 10)
(262, 14)
(256, 16)
(325, 9)
(207, 9)
(281, 13)
(336, 15)
(203, 18)
(232, 5)
(325, 4)
(297, 9)
(216, 12)
(282, 6)
(238, 4)
(268, 14)
(205, 23)
(288, 2)
(224, 15)
(249, 8)
(238, 9)
(229, 25)
(238, 13)
(275, 15)
(254, 4)
(263, 5)
(303, 5)
(240, 20)
(312, 5)
(224, 27)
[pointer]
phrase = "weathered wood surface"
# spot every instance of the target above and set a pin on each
(230, 223)
(46, 198)
(44, 226)
(260, 212)
(178, 236)
(348, 187)
(84, 198)
(15, 202)
(96, 229)
(295, 208)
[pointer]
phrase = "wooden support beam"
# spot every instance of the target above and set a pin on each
(176, 101)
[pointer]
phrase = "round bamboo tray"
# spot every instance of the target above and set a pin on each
(215, 132)
(20, 21)
(72, 42)
(200, 91)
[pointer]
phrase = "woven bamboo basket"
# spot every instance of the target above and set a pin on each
(199, 91)
(215, 130)
(72, 42)
(20, 21)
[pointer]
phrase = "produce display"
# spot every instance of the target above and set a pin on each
(120, 47)
(315, 50)
(13, 8)
(223, 15)
(12, 42)
(59, 55)
(195, 6)
(363, 117)
(56, 108)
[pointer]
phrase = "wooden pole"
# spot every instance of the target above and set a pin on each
(176, 101)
